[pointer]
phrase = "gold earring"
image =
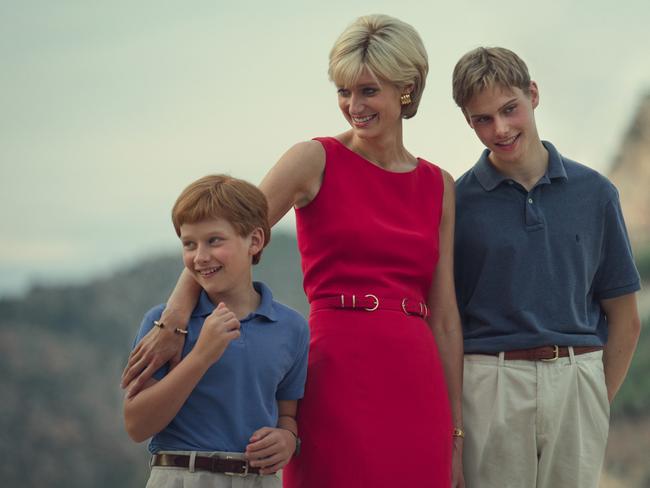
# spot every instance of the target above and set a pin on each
(405, 99)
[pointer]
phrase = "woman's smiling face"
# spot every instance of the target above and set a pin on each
(371, 106)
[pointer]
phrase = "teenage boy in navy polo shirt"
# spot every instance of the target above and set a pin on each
(228, 408)
(546, 287)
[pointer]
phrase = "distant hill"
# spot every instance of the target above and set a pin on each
(631, 174)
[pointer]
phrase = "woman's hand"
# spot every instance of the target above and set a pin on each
(158, 347)
(164, 345)
(270, 449)
(457, 479)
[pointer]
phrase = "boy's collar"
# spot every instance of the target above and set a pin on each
(266, 308)
(204, 307)
(489, 177)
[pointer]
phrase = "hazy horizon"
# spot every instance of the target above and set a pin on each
(110, 109)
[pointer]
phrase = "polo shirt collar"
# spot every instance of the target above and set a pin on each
(555, 164)
(486, 173)
(266, 309)
(489, 177)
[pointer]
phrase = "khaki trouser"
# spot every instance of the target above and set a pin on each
(534, 424)
(169, 477)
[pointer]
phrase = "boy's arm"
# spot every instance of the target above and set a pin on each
(154, 407)
(624, 328)
(164, 345)
(445, 322)
(287, 410)
(270, 449)
(151, 410)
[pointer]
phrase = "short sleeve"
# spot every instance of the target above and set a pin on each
(617, 274)
(145, 327)
(292, 386)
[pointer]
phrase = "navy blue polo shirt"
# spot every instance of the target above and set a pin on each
(532, 266)
(238, 394)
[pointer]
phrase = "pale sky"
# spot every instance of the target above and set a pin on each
(109, 109)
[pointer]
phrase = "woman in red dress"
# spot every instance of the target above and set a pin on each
(375, 232)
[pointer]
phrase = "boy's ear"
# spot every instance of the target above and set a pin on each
(533, 92)
(257, 241)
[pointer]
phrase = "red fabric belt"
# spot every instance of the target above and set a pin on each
(229, 466)
(369, 302)
(543, 353)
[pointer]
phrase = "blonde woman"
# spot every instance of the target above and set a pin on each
(375, 232)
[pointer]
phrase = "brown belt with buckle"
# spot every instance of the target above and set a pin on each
(544, 353)
(225, 465)
(369, 303)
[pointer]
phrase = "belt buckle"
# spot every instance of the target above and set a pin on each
(424, 310)
(242, 475)
(404, 300)
(556, 355)
(375, 306)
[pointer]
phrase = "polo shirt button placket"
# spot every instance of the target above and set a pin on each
(533, 220)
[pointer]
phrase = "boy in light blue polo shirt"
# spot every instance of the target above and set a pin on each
(228, 408)
(546, 288)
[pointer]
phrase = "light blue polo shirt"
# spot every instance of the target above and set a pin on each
(238, 394)
(532, 267)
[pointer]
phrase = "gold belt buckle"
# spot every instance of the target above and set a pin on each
(404, 306)
(230, 473)
(556, 355)
(375, 306)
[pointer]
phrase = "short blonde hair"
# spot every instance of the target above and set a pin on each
(242, 204)
(484, 67)
(391, 49)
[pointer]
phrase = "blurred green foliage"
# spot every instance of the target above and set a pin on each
(633, 398)
(643, 264)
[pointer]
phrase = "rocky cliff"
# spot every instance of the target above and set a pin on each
(631, 175)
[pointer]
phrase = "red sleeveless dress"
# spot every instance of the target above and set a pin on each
(375, 412)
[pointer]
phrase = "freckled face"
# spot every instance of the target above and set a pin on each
(504, 121)
(371, 106)
(218, 258)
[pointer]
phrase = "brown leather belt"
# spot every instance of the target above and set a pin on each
(225, 465)
(544, 353)
(369, 302)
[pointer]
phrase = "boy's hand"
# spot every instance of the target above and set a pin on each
(218, 330)
(270, 449)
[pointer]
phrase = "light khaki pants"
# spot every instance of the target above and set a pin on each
(169, 477)
(534, 424)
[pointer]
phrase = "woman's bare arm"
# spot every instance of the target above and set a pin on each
(445, 322)
(293, 181)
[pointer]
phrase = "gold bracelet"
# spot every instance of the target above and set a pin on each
(458, 432)
(177, 330)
